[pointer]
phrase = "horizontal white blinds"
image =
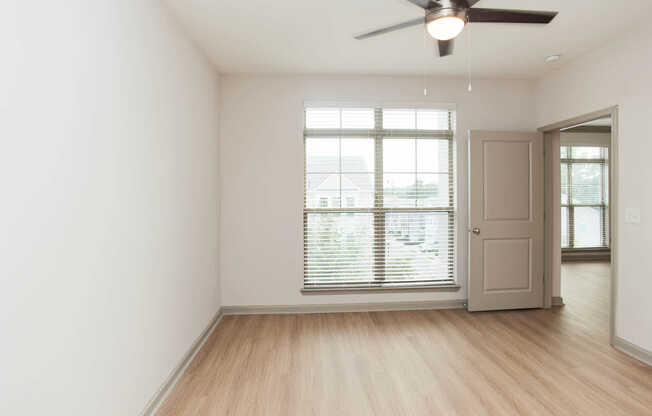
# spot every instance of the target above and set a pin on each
(379, 202)
(585, 196)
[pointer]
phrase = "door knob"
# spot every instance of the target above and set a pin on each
(476, 231)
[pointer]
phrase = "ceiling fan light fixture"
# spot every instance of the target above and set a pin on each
(445, 24)
(553, 58)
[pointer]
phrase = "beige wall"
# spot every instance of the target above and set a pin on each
(262, 172)
(108, 204)
(618, 74)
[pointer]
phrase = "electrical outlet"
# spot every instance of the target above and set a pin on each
(632, 216)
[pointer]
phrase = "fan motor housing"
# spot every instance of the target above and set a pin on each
(453, 11)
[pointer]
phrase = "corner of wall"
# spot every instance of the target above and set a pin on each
(218, 137)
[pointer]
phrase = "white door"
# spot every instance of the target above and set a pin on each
(506, 220)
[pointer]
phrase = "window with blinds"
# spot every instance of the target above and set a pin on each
(379, 201)
(584, 197)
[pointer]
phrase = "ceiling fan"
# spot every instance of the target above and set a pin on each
(445, 20)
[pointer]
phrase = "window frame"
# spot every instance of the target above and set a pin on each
(570, 206)
(379, 212)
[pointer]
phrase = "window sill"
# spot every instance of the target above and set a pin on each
(444, 286)
(586, 250)
(584, 254)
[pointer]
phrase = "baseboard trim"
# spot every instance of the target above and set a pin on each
(345, 307)
(168, 385)
(632, 350)
(557, 301)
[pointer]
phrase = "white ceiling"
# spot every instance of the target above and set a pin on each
(316, 36)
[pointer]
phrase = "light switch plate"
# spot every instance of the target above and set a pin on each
(632, 216)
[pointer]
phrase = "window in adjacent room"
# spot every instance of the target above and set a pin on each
(390, 176)
(585, 196)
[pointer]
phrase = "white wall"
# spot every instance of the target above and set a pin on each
(108, 204)
(261, 164)
(618, 74)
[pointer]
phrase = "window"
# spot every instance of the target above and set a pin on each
(390, 175)
(585, 196)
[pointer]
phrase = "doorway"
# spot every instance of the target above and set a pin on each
(580, 193)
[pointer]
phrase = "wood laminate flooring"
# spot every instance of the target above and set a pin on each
(447, 362)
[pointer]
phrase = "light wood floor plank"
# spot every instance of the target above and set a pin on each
(448, 362)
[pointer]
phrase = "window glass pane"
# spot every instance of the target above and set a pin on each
(432, 156)
(417, 246)
(322, 155)
(399, 155)
(432, 120)
(564, 227)
(357, 118)
(587, 227)
(358, 190)
(399, 119)
(399, 190)
(339, 247)
(563, 152)
(323, 118)
(357, 155)
(586, 181)
(564, 183)
(586, 152)
(322, 187)
(432, 190)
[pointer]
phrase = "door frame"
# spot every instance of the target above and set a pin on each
(555, 244)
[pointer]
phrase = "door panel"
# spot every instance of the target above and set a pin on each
(507, 265)
(507, 196)
(506, 210)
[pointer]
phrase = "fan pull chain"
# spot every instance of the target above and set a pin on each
(425, 61)
(468, 58)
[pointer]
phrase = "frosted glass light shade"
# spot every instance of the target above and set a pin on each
(446, 27)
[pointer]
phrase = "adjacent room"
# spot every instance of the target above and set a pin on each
(585, 233)
(379, 207)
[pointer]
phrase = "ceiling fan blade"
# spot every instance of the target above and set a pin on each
(509, 16)
(445, 47)
(398, 26)
(425, 4)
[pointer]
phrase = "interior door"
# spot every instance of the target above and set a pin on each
(506, 220)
